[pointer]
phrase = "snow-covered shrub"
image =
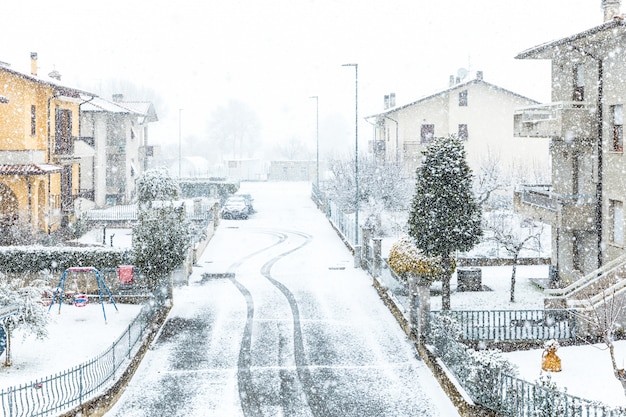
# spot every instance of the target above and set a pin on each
(548, 399)
(485, 368)
(31, 315)
(405, 258)
(444, 335)
(156, 185)
(478, 371)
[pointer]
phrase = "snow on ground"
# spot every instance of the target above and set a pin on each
(498, 279)
(586, 371)
(76, 335)
(114, 237)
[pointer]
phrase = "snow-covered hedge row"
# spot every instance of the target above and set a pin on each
(24, 259)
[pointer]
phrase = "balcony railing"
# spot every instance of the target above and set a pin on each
(560, 119)
(574, 210)
(542, 195)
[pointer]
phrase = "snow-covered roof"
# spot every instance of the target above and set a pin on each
(60, 89)
(456, 87)
(101, 105)
(29, 169)
(144, 108)
(589, 41)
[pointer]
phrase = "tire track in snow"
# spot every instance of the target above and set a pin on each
(250, 404)
(315, 401)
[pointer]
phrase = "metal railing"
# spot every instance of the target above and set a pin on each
(62, 391)
(514, 325)
(343, 222)
(524, 399)
(489, 385)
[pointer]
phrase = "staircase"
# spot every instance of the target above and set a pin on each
(593, 290)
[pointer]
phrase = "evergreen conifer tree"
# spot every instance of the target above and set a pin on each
(444, 216)
(161, 237)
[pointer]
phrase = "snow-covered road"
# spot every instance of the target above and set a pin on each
(294, 330)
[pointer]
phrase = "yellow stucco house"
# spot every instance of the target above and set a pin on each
(39, 174)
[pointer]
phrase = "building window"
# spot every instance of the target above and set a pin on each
(618, 127)
(428, 133)
(63, 144)
(463, 134)
(463, 98)
(33, 120)
(616, 216)
(578, 250)
(579, 83)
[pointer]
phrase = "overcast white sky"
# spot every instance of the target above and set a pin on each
(274, 54)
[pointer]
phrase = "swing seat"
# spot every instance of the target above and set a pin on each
(80, 300)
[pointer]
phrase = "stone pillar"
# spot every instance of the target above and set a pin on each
(423, 291)
(357, 256)
(366, 233)
(376, 253)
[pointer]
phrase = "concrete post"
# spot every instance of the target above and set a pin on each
(365, 245)
(357, 256)
(376, 253)
(423, 290)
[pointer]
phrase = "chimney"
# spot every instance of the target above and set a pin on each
(392, 100)
(611, 9)
(479, 75)
(117, 98)
(386, 101)
(33, 63)
(451, 81)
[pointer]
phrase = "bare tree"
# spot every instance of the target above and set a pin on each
(489, 179)
(603, 319)
(294, 149)
(234, 128)
(506, 229)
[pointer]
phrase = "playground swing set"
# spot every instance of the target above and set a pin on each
(81, 300)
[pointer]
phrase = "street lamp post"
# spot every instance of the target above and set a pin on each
(180, 146)
(356, 150)
(317, 142)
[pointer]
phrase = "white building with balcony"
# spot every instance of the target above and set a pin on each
(584, 127)
(477, 112)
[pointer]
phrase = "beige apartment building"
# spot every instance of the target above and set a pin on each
(478, 112)
(584, 127)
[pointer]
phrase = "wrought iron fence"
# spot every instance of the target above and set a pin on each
(489, 382)
(343, 222)
(59, 392)
(514, 325)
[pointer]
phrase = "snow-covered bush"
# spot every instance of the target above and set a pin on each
(156, 185)
(548, 399)
(485, 369)
(405, 258)
(31, 315)
(478, 371)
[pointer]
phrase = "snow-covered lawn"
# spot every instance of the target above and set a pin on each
(76, 335)
(586, 371)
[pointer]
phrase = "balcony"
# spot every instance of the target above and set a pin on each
(560, 119)
(539, 202)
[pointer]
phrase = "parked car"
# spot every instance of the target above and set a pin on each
(235, 209)
(247, 198)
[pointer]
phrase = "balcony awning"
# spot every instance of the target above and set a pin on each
(29, 169)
